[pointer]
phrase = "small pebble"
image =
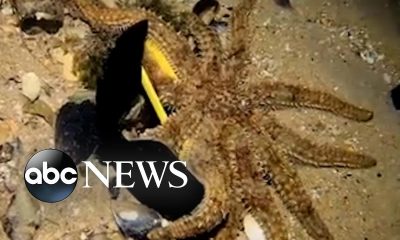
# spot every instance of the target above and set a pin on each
(57, 54)
(387, 78)
(6, 152)
(68, 69)
(83, 236)
(7, 10)
(31, 86)
(369, 56)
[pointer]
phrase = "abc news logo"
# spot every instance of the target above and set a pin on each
(51, 175)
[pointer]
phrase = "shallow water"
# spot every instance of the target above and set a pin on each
(349, 48)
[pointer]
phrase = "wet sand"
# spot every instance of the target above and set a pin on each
(350, 48)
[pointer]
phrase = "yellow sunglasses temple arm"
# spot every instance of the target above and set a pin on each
(154, 99)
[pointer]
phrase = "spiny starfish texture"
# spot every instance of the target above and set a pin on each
(225, 131)
(226, 134)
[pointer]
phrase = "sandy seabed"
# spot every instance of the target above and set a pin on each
(349, 48)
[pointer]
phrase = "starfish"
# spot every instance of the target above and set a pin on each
(231, 142)
(225, 130)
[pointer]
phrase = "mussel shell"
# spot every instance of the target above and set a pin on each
(38, 16)
(134, 219)
(75, 129)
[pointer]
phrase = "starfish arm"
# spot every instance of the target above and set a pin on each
(305, 152)
(177, 130)
(233, 227)
(199, 150)
(173, 46)
(165, 134)
(228, 233)
(88, 60)
(241, 33)
(266, 214)
(289, 188)
(257, 198)
(266, 159)
(327, 156)
(206, 216)
(290, 96)
(207, 40)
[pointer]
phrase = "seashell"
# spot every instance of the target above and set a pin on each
(75, 128)
(134, 219)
